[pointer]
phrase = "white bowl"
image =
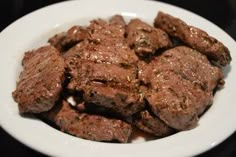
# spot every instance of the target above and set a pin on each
(34, 29)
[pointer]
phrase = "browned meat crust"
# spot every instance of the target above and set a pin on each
(41, 80)
(66, 40)
(152, 124)
(117, 20)
(145, 39)
(194, 37)
(87, 126)
(181, 82)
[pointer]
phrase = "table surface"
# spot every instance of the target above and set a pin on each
(220, 12)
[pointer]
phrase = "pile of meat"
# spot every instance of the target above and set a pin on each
(123, 76)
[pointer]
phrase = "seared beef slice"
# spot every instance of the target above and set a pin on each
(188, 63)
(181, 81)
(40, 82)
(102, 32)
(194, 37)
(118, 54)
(57, 40)
(145, 39)
(107, 85)
(92, 127)
(106, 44)
(65, 40)
(151, 124)
(117, 20)
(103, 69)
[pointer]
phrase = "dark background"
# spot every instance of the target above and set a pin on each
(220, 12)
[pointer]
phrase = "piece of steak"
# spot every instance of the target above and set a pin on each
(152, 124)
(40, 82)
(57, 40)
(117, 20)
(87, 126)
(173, 102)
(194, 37)
(188, 63)
(107, 85)
(145, 39)
(109, 37)
(103, 69)
(66, 40)
(116, 54)
(75, 35)
(98, 31)
(124, 102)
(102, 32)
(181, 82)
(106, 43)
(85, 71)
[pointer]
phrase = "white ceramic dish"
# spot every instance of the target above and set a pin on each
(33, 31)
